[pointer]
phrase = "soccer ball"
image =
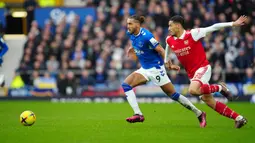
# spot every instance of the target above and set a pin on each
(27, 118)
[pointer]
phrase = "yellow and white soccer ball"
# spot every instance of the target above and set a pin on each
(27, 118)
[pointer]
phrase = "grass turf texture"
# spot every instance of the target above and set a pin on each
(101, 123)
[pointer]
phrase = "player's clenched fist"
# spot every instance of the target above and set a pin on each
(170, 66)
(131, 53)
(175, 67)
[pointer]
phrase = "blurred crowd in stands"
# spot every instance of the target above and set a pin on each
(93, 54)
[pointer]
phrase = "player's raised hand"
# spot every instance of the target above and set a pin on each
(240, 21)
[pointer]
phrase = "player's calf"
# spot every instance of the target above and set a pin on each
(131, 98)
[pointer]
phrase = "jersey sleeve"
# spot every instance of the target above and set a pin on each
(167, 50)
(198, 33)
(167, 41)
(152, 41)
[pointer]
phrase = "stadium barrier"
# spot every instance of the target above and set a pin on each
(103, 99)
(150, 90)
(145, 94)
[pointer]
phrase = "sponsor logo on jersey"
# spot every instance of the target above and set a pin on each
(139, 52)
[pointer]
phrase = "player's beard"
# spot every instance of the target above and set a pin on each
(131, 31)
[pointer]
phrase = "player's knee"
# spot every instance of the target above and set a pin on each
(126, 87)
(193, 92)
(175, 96)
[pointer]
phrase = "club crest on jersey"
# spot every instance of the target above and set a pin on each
(140, 44)
(186, 42)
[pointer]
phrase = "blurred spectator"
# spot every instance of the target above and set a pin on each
(86, 80)
(71, 84)
(52, 63)
(29, 6)
(62, 84)
(35, 76)
(100, 77)
(230, 56)
(218, 55)
(242, 61)
(217, 73)
(113, 82)
(249, 77)
(127, 9)
(232, 75)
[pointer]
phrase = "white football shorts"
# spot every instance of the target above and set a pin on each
(157, 76)
(203, 75)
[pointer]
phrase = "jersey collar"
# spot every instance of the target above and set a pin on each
(182, 36)
(138, 33)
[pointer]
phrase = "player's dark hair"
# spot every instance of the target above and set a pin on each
(141, 19)
(178, 19)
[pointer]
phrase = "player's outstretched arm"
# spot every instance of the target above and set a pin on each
(199, 33)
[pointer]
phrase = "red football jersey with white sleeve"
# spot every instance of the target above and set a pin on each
(189, 50)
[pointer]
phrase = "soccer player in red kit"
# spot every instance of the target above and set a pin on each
(189, 50)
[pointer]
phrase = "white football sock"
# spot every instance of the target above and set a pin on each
(132, 101)
(186, 103)
(238, 118)
(220, 88)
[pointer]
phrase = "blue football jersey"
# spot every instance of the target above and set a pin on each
(144, 45)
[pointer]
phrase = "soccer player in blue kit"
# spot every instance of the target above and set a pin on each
(3, 50)
(150, 54)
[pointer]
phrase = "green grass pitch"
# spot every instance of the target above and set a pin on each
(105, 123)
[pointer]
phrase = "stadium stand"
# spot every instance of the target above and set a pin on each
(93, 55)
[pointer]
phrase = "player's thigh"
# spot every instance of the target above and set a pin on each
(202, 76)
(135, 79)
